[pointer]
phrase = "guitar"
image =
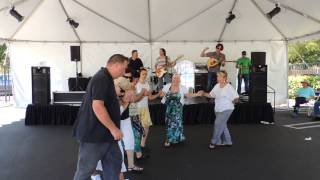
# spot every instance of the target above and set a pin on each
(161, 71)
(212, 62)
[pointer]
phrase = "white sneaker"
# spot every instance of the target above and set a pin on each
(96, 177)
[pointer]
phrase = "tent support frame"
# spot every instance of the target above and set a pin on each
(66, 13)
(297, 11)
(265, 17)
(225, 24)
(109, 20)
(28, 17)
(187, 20)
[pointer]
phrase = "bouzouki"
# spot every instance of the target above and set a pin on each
(161, 71)
(212, 62)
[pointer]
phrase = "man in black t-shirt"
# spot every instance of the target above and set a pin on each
(97, 127)
(135, 62)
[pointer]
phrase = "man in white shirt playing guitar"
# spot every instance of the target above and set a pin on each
(215, 61)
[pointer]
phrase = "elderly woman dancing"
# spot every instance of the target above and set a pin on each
(173, 97)
(225, 97)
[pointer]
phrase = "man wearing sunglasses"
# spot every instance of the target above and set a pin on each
(215, 61)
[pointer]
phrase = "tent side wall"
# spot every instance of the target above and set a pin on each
(57, 57)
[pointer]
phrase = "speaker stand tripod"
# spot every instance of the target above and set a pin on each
(77, 87)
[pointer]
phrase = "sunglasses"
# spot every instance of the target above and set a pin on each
(128, 77)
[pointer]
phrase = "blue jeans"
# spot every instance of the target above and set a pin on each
(245, 78)
(91, 153)
(299, 100)
(212, 80)
(221, 134)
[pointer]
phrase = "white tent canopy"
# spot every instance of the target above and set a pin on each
(180, 26)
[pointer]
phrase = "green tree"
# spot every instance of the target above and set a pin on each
(3, 49)
(306, 52)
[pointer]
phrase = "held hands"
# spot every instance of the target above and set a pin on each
(116, 133)
(161, 93)
(200, 93)
(146, 93)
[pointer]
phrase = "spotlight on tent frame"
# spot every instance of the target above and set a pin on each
(274, 12)
(230, 17)
(73, 23)
(15, 14)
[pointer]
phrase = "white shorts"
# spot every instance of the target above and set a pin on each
(123, 166)
(128, 137)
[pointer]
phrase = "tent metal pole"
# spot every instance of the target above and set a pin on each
(296, 11)
(149, 22)
(225, 24)
(66, 13)
(266, 18)
(125, 42)
(303, 36)
(109, 20)
(25, 21)
(287, 62)
(187, 20)
(150, 33)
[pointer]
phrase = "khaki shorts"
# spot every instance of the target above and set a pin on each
(145, 117)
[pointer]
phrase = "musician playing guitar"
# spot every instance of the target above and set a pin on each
(215, 61)
(163, 63)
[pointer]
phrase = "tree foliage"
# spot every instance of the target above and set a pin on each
(3, 49)
(306, 52)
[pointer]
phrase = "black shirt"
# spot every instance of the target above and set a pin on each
(135, 65)
(87, 127)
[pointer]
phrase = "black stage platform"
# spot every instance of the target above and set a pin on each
(195, 111)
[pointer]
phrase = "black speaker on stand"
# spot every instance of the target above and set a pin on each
(258, 78)
(76, 56)
(40, 77)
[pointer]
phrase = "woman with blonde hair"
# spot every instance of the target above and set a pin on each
(173, 97)
(225, 98)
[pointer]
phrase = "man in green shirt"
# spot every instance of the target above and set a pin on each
(243, 64)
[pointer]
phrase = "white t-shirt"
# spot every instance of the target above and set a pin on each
(144, 101)
(223, 97)
(182, 90)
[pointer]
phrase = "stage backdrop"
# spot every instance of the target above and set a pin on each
(94, 56)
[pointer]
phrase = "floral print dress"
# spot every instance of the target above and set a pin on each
(173, 117)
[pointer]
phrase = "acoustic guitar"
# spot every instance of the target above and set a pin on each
(212, 62)
(161, 71)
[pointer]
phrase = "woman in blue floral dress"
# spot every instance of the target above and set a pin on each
(173, 97)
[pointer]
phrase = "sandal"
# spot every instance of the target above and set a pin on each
(135, 169)
(211, 146)
(167, 144)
